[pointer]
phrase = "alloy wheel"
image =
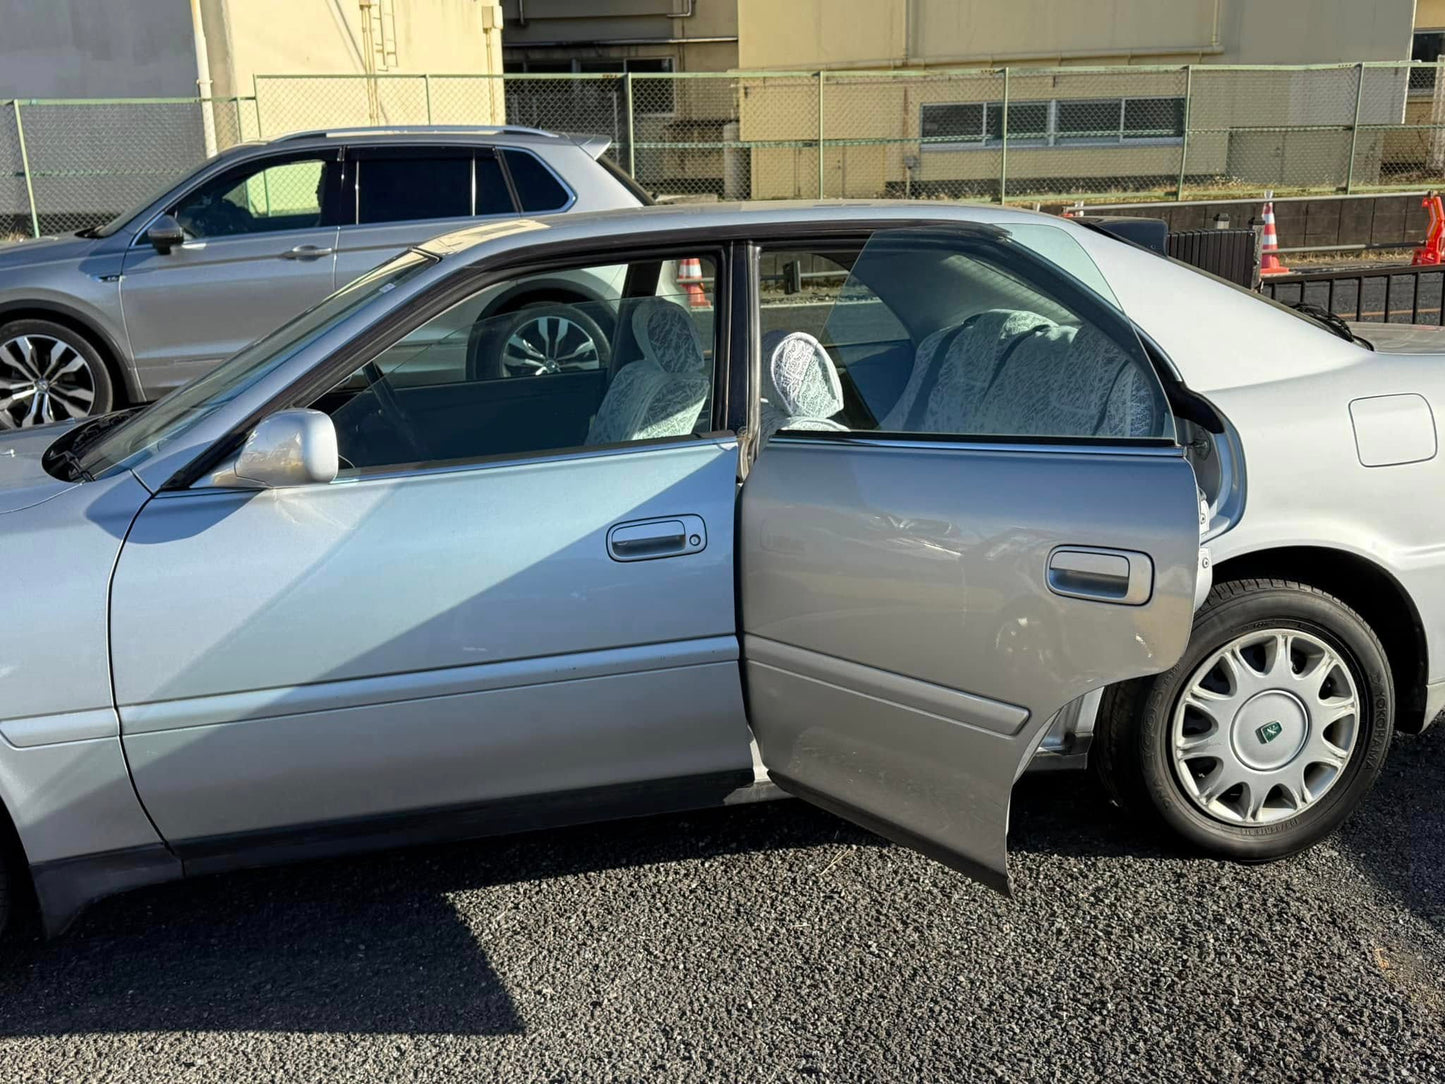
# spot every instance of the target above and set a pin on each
(43, 379)
(1265, 727)
(549, 343)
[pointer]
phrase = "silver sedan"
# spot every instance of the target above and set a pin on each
(874, 504)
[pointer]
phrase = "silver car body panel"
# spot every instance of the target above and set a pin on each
(904, 650)
(1282, 384)
(397, 642)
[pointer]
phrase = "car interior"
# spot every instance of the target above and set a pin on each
(902, 338)
(881, 334)
(539, 377)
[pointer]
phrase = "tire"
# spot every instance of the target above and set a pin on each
(50, 373)
(1143, 723)
(488, 342)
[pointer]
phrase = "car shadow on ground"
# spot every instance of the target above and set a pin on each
(366, 944)
(373, 944)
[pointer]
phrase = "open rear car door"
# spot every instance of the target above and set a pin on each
(916, 604)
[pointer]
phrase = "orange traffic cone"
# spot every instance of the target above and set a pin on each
(689, 277)
(1269, 252)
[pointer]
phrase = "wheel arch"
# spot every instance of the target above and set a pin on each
(534, 291)
(110, 351)
(1372, 592)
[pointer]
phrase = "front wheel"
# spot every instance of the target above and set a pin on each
(48, 373)
(1266, 735)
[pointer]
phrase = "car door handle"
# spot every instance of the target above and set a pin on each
(643, 540)
(1123, 577)
(306, 252)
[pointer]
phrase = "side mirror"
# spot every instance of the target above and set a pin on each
(289, 448)
(165, 234)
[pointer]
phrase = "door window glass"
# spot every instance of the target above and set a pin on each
(537, 189)
(413, 188)
(583, 357)
(492, 195)
(963, 333)
(283, 196)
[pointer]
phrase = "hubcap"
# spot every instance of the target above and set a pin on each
(549, 344)
(1265, 727)
(43, 379)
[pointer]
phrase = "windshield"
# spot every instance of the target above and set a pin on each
(162, 422)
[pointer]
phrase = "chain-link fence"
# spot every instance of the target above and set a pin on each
(1018, 134)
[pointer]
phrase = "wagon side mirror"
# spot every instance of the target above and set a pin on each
(165, 233)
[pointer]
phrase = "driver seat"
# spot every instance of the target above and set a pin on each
(664, 392)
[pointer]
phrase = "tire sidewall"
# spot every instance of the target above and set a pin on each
(1286, 607)
(104, 384)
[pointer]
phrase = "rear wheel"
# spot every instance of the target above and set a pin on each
(1266, 735)
(48, 373)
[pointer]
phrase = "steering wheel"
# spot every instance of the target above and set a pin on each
(391, 408)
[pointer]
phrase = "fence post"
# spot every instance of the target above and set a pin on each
(426, 79)
(256, 97)
(25, 168)
(820, 134)
(1184, 135)
(1003, 156)
(631, 129)
(1355, 129)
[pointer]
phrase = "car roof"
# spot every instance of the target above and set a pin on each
(482, 135)
(721, 219)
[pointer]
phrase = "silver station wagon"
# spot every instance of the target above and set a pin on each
(876, 504)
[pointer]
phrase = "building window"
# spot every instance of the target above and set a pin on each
(1428, 46)
(1060, 122)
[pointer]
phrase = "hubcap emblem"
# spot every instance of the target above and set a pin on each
(1268, 732)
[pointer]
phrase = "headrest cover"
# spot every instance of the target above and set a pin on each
(803, 379)
(668, 336)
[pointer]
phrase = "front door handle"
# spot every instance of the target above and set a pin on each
(1123, 577)
(645, 539)
(306, 252)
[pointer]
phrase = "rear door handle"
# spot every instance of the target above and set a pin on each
(646, 539)
(1123, 577)
(306, 252)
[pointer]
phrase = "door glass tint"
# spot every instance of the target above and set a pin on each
(537, 189)
(263, 199)
(492, 195)
(410, 189)
(956, 333)
(582, 357)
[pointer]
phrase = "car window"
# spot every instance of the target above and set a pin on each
(969, 333)
(412, 187)
(585, 357)
(262, 198)
(146, 433)
(538, 189)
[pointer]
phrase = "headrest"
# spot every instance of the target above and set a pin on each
(800, 379)
(667, 335)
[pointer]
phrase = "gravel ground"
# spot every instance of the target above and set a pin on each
(770, 943)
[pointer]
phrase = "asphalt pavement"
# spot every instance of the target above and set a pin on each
(770, 943)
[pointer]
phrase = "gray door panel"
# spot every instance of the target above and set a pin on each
(904, 646)
(360, 248)
(390, 643)
(205, 300)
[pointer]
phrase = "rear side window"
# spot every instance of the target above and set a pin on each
(537, 189)
(492, 195)
(406, 189)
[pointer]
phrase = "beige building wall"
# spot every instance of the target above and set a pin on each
(248, 38)
(881, 119)
(834, 34)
